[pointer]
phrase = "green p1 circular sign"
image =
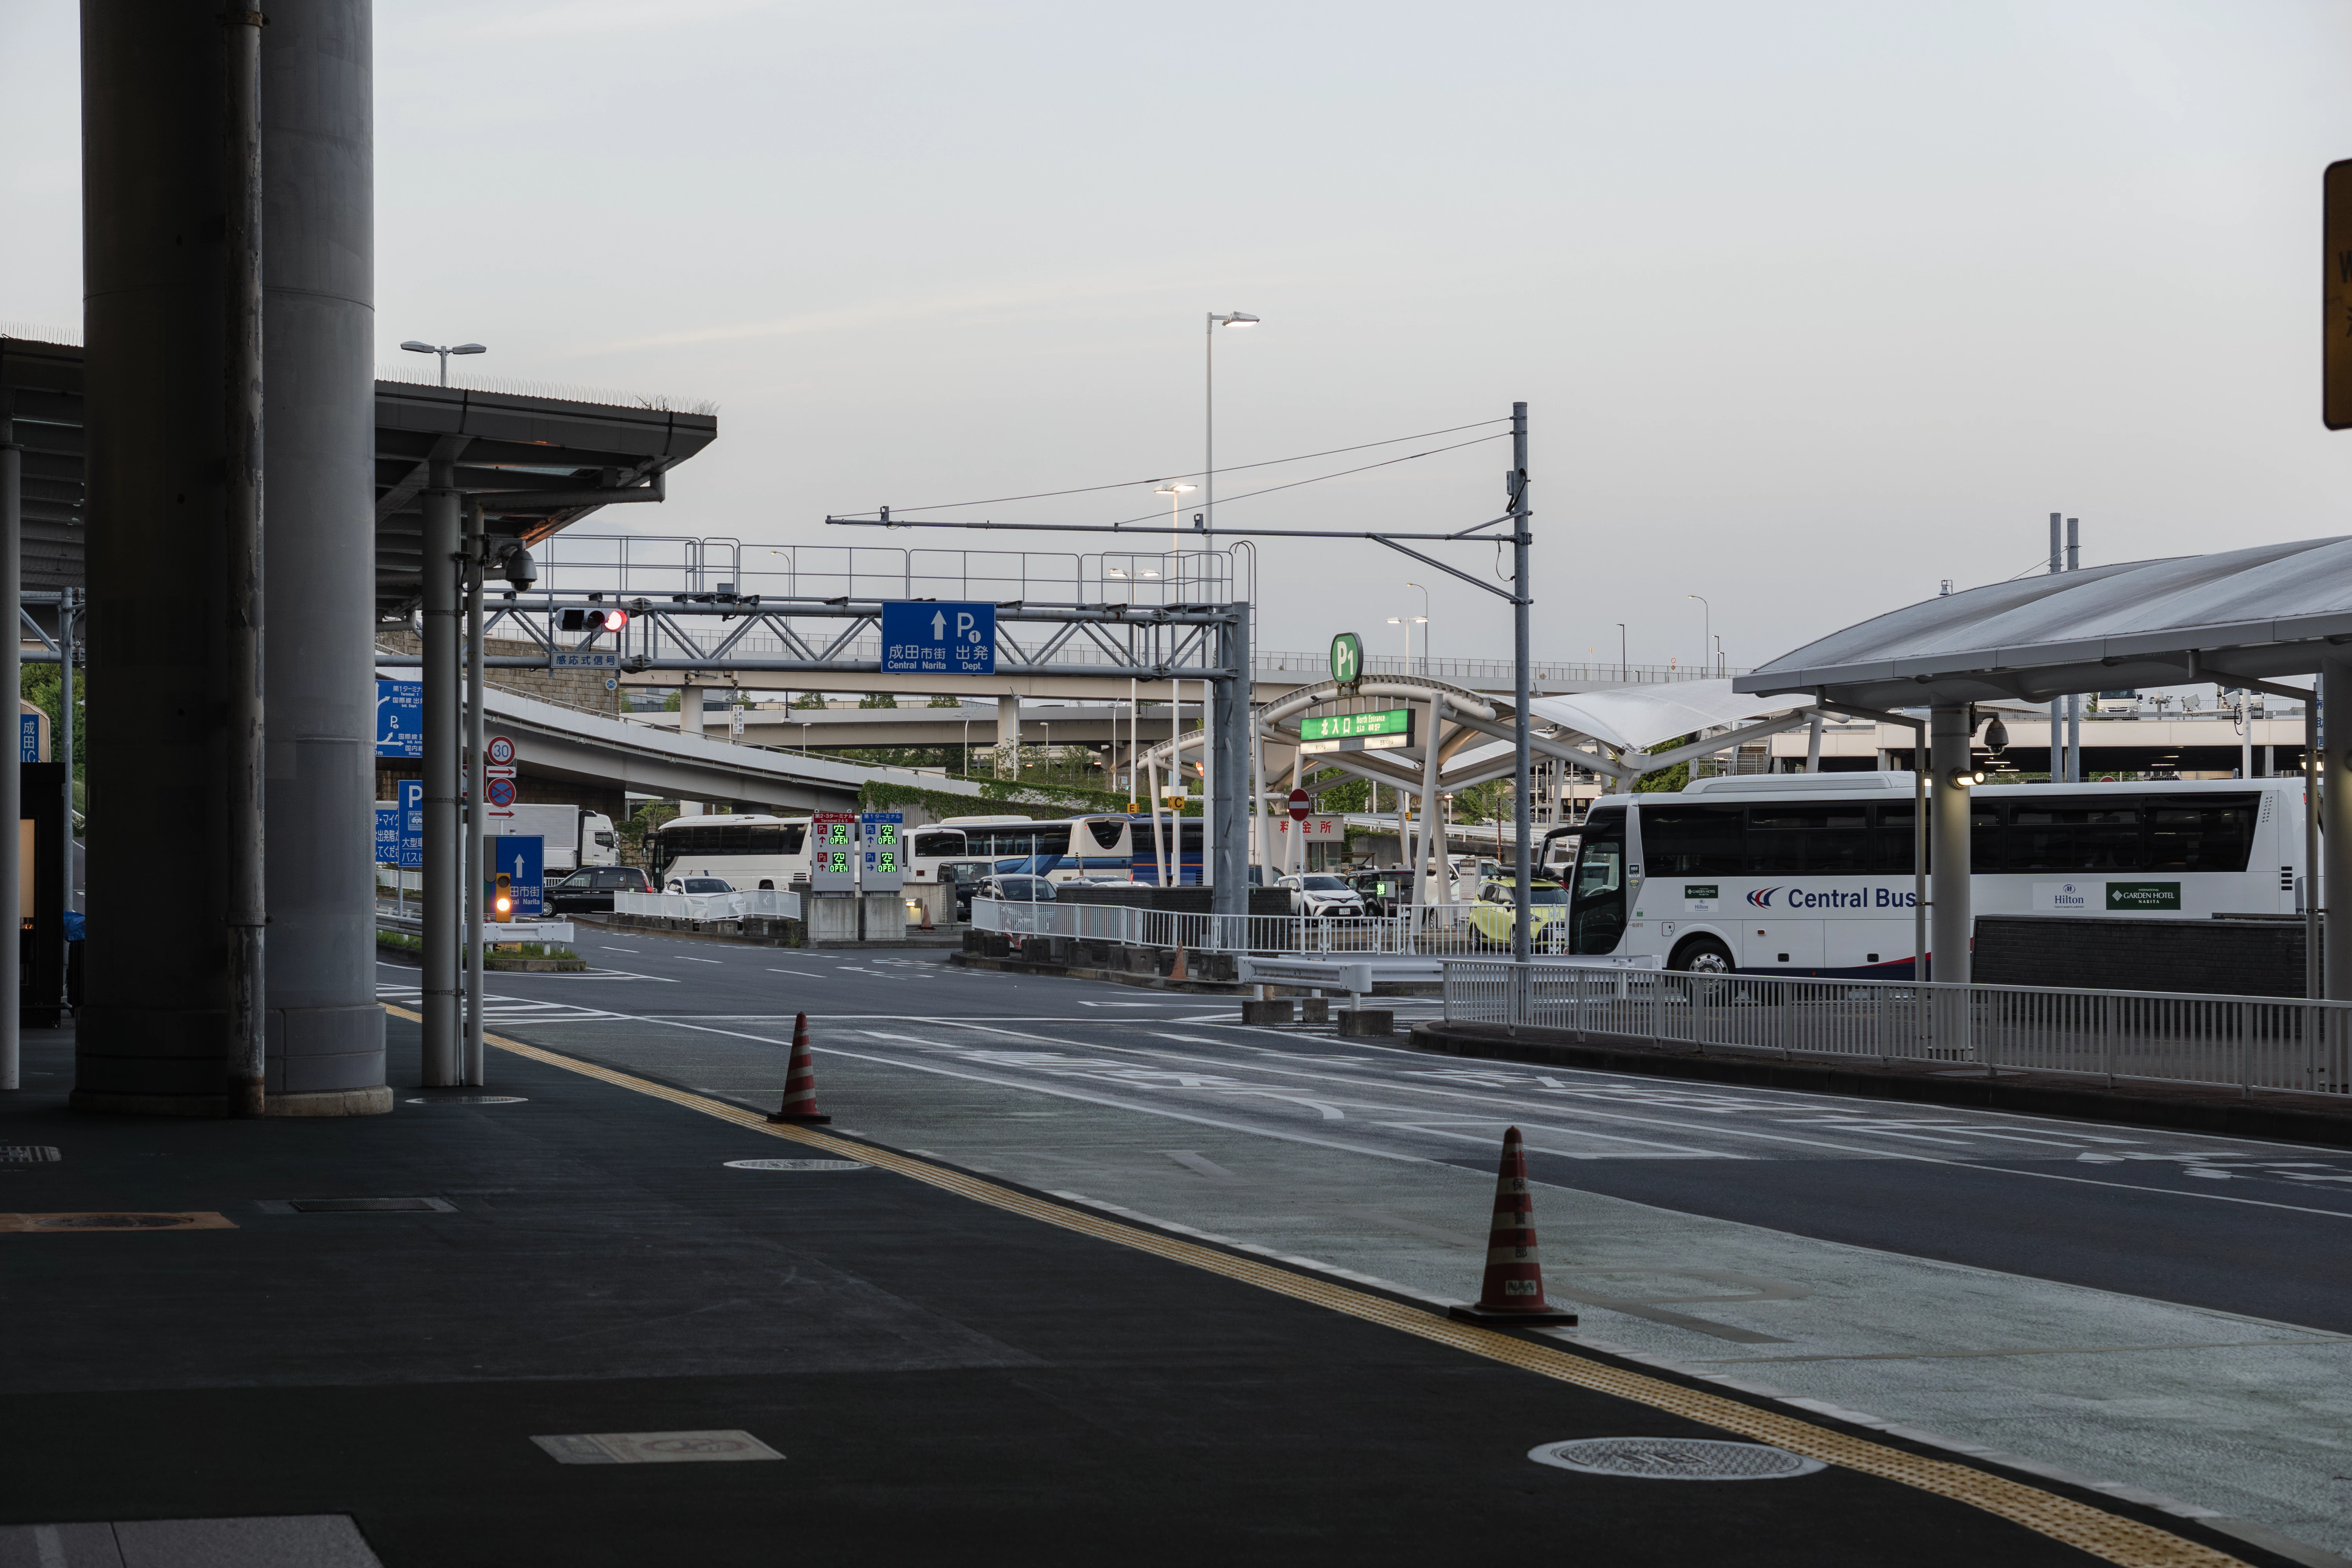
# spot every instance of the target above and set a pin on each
(1346, 657)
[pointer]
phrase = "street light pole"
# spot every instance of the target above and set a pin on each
(1706, 627)
(1522, 750)
(1625, 663)
(1424, 631)
(444, 350)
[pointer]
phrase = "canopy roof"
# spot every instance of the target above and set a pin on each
(2267, 611)
(1636, 718)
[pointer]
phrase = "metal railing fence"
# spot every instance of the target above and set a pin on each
(1424, 931)
(2248, 1043)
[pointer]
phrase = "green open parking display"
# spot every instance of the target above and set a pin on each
(1385, 730)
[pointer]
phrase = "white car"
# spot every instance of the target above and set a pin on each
(1319, 893)
(698, 885)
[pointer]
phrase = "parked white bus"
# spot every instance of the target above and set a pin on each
(1812, 874)
(1093, 846)
(746, 852)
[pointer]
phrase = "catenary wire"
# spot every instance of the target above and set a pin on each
(1193, 474)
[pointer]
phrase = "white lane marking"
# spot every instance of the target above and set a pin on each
(1487, 1139)
(804, 973)
(682, 958)
(1330, 1112)
(608, 948)
(1129, 1005)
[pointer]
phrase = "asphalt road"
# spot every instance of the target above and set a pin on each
(2231, 1224)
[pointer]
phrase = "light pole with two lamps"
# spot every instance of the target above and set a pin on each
(444, 350)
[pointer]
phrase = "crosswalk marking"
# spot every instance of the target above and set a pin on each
(503, 1009)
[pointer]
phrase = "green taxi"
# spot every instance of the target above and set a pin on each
(1496, 912)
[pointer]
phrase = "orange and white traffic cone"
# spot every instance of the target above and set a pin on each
(800, 1080)
(1513, 1291)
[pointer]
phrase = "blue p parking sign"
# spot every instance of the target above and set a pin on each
(399, 718)
(930, 636)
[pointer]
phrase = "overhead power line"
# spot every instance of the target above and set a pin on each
(1191, 474)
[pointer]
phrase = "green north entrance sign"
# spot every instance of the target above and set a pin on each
(1346, 657)
(1387, 729)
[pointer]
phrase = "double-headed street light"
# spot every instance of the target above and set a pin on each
(444, 350)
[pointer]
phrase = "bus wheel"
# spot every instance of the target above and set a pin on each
(1702, 955)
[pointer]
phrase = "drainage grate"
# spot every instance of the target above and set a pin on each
(28, 1154)
(469, 1100)
(798, 1166)
(654, 1447)
(1675, 1459)
(370, 1205)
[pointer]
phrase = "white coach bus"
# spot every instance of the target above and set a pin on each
(1812, 874)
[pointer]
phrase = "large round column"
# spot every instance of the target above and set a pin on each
(317, 159)
(152, 1037)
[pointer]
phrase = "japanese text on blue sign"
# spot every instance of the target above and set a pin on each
(400, 718)
(932, 638)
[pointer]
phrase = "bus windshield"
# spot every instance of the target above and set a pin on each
(1596, 915)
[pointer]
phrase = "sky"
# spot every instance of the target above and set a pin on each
(1813, 305)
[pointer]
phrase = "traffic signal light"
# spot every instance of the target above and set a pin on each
(502, 901)
(615, 620)
(591, 619)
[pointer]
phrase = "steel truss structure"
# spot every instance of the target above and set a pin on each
(839, 637)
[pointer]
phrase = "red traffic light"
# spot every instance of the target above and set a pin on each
(615, 619)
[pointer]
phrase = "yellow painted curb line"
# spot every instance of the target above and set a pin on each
(2112, 1537)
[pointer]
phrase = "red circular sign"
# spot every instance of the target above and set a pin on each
(501, 792)
(1299, 805)
(500, 751)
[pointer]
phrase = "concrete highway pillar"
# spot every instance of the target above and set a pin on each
(1008, 734)
(690, 711)
(153, 1034)
(1951, 922)
(2335, 829)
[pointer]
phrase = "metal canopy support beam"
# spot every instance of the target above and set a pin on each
(1951, 919)
(246, 1072)
(439, 896)
(2335, 780)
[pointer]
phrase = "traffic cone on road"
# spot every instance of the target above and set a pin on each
(1513, 1292)
(800, 1080)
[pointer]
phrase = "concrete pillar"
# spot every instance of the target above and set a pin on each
(690, 712)
(2335, 829)
(1951, 921)
(326, 1029)
(153, 1034)
(1008, 734)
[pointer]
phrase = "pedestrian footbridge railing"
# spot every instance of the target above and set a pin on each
(2248, 1043)
(1422, 930)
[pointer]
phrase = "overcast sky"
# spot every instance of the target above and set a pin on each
(1815, 304)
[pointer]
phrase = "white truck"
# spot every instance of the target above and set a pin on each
(574, 838)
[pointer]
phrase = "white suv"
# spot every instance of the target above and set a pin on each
(1321, 893)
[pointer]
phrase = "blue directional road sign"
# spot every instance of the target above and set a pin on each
(29, 737)
(400, 718)
(387, 834)
(523, 857)
(925, 637)
(412, 824)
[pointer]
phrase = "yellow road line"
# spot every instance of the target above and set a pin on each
(2116, 1538)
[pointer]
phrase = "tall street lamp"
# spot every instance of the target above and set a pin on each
(1623, 673)
(1209, 422)
(1407, 622)
(1425, 635)
(1706, 627)
(1175, 490)
(444, 350)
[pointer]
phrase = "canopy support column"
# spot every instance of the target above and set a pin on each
(1951, 922)
(2335, 829)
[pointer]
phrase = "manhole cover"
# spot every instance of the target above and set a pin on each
(470, 1100)
(1675, 1459)
(798, 1166)
(112, 1222)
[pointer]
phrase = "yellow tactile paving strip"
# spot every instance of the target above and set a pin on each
(2108, 1536)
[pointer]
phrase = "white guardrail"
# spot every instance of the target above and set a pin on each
(765, 902)
(1418, 930)
(2248, 1043)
